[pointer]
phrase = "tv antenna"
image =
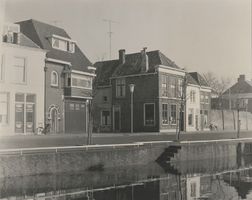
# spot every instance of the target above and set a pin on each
(110, 33)
(55, 22)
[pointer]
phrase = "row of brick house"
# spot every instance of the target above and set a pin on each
(46, 79)
(158, 87)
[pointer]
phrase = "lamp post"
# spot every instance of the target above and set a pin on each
(131, 87)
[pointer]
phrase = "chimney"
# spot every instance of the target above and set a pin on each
(121, 56)
(241, 78)
(144, 61)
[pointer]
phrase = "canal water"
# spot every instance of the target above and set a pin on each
(226, 178)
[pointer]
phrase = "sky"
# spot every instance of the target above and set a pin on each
(198, 35)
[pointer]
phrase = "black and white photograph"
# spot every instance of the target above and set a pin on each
(125, 100)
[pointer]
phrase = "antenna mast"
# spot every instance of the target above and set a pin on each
(110, 21)
(55, 23)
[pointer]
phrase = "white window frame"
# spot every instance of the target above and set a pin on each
(60, 42)
(173, 87)
(57, 79)
(164, 83)
(180, 87)
(206, 99)
(123, 88)
(175, 112)
(202, 100)
(192, 96)
(108, 123)
(25, 70)
(2, 68)
(166, 114)
(81, 77)
(8, 108)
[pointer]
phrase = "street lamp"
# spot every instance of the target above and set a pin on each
(131, 87)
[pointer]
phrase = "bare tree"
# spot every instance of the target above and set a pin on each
(218, 85)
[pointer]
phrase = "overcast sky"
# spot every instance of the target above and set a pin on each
(199, 35)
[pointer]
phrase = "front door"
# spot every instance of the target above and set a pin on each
(19, 118)
(117, 118)
(196, 122)
(54, 123)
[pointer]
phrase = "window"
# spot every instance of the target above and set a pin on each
(193, 189)
(205, 117)
(149, 118)
(120, 87)
(180, 88)
(174, 114)
(81, 81)
(105, 98)
(105, 118)
(190, 116)
(206, 99)
(2, 69)
(164, 86)
(63, 44)
(202, 98)
(4, 108)
(173, 87)
(19, 70)
(54, 78)
(59, 44)
(164, 113)
(192, 96)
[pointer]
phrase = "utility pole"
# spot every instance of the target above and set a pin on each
(55, 22)
(110, 33)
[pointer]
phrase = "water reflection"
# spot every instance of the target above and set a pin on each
(226, 178)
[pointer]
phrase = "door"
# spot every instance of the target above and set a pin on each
(75, 114)
(54, 123)
(117, 118)
(182, 121)
(196, 122)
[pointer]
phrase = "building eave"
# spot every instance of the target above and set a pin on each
(58, 61)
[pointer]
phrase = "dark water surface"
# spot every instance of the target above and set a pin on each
(226, 178)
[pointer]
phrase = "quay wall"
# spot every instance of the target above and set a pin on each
(212, 150)
(46, 163)
(61, 162)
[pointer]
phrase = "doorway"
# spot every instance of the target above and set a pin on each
(117, 118)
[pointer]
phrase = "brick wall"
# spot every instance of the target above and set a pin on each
(146, 91)
(54, 94)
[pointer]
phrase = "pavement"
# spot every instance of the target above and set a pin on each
(57, 140)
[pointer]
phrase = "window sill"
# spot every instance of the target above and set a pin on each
(54, 86)
(20, 83)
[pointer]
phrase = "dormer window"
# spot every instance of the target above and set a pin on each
(61, 43)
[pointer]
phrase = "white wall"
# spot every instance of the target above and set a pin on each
(34, 81)
(195, 106)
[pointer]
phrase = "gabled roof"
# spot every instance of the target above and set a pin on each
(196, 78)
(39, 32)
(131, 66)
(240, 88)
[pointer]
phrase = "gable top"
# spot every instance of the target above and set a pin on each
(131, 66)
(40, 32)
(197, 79)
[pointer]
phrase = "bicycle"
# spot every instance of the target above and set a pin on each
(44, 130)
